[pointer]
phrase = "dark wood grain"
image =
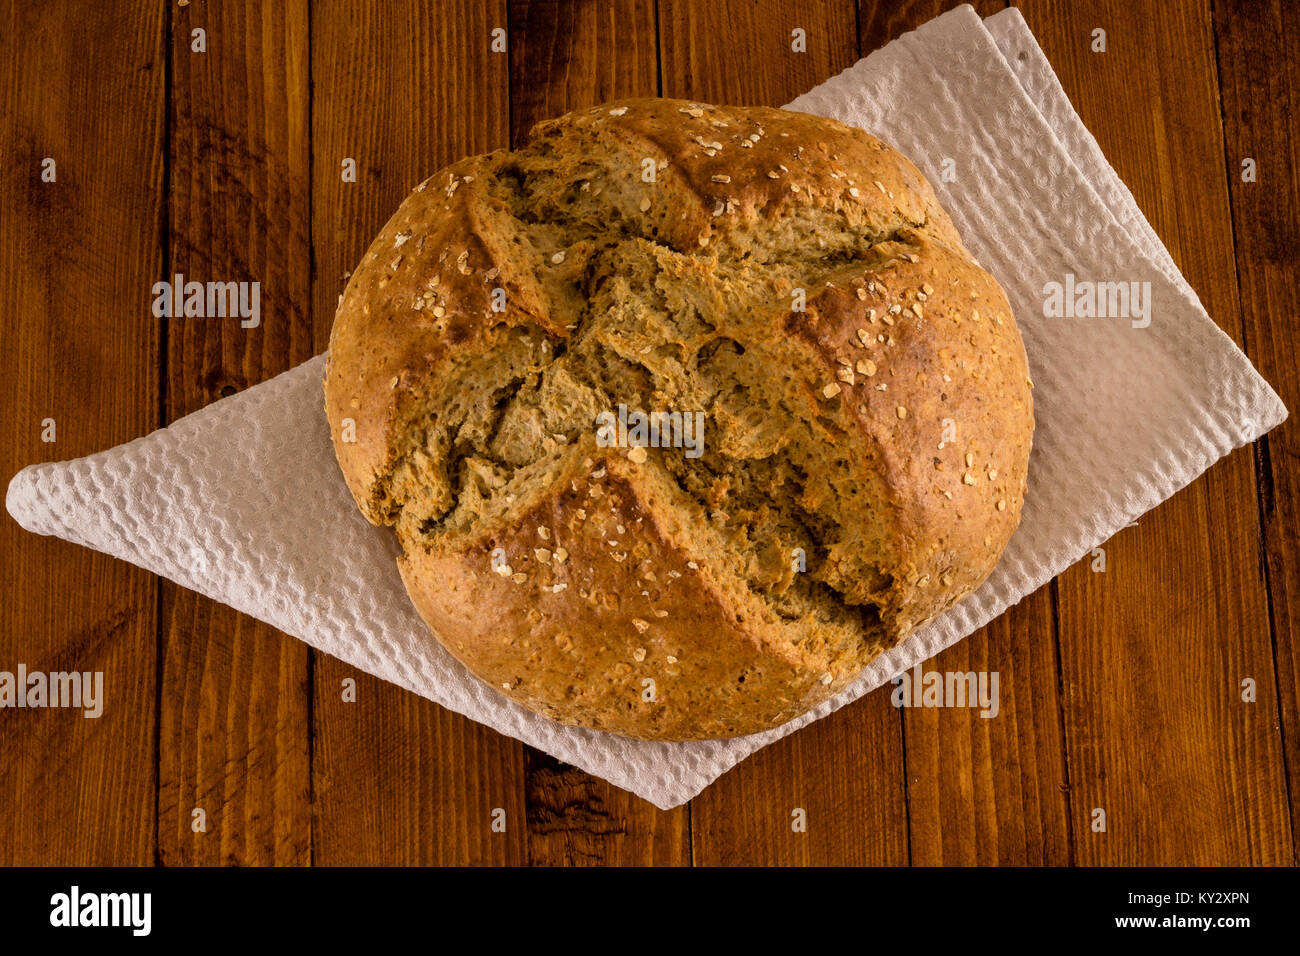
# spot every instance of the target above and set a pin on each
(575, 819)
(880, 21)
(1153, 651)
(565, 55)
(1260, 89)
(234, 733)
(84, 87)
(402, 89)
(844, 772)
(993, 790)
(402, 781)
(739, 51)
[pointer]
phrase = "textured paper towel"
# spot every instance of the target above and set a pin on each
(243, 501)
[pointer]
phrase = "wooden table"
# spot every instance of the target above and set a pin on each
(1119, 690)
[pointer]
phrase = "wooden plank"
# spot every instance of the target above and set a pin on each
(1153, 651)
(575, 819)
(565, 56)
(993, 790)
(740, 53)
(845, 772)
(880, 21)
(78, 256)
(401, 781)
(1260, 85)
(568, 54)
(234, 699)
(402, 90)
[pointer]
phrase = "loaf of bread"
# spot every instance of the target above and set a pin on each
(681, 413)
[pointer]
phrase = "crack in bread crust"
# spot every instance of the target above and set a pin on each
(764, 273)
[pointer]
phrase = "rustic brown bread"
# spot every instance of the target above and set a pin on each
(867, 412)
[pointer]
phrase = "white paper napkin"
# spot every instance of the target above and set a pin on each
(243, 501)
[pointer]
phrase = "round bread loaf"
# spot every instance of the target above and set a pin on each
(839, 397)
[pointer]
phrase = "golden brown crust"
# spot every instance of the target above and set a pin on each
(626, 631)
(864, 383)
(951, 426)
